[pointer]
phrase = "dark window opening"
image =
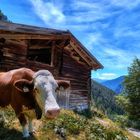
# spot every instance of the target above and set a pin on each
(40, 55)
(1, 58)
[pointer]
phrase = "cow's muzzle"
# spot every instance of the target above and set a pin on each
(51, 114)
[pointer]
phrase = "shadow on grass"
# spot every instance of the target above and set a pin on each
(12, 134)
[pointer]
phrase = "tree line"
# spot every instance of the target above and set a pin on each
(3, 17)
(129, 99)
(125, 105)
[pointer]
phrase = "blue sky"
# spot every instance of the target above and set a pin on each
(109, 29)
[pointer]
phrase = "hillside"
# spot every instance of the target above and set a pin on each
(114, 84)
(68, 126)
(104, 99)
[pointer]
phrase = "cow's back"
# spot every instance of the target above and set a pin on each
(22, 73)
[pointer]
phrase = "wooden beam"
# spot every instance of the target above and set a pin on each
(33, 36)
(15, 42)
(80, 53)
(68, 47)
(63, 44)
(61, 61)
(52, 53)
(92, 61)
(39, 47)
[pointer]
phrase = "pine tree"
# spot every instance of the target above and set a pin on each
(132, 90)
(3, 17)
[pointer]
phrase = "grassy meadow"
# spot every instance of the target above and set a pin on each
(68, 126)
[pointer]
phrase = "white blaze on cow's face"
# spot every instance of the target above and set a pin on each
(45, 86)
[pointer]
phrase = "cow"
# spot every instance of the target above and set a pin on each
(30, 94)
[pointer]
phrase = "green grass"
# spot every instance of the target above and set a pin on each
(68, 126)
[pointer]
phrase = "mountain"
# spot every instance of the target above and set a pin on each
(114, 84)
(104, 99)
(99, 80)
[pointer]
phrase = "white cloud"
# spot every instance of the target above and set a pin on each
(94, 39)
(118, 59)
(89, 11)
(126, 32)
(105, 76)
(74, 13)
(128, 4)
(115, 52)
(111, 56)
(127, 25)
(48, 12)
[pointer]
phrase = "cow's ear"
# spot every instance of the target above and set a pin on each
(63, 83)
(24, 85)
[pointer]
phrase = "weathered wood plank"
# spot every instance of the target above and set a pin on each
(14, 51)
(14, 57)
(52, 54)
(37, 65)
(33, 36)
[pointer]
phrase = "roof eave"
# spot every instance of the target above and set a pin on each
(99, 65)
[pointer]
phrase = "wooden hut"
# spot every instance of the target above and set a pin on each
(55, 50)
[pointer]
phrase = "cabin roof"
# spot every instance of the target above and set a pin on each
(10, 30)
(8, 26)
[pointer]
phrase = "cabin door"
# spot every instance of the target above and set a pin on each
(63, 97)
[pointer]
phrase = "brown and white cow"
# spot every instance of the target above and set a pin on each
(30, 93)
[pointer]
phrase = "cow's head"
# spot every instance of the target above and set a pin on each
(44, 89)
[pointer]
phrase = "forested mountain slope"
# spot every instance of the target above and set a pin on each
(104, 99)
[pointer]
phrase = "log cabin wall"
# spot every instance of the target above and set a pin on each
(13, 55)
(79, 76)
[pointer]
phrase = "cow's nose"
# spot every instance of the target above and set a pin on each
(52, 113)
